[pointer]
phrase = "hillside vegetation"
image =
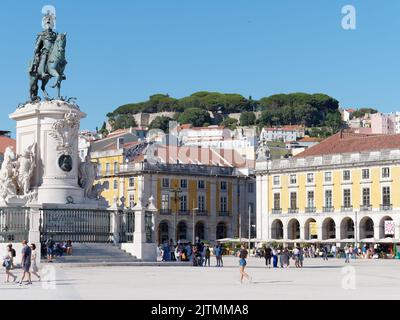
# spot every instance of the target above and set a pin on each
(311, 110)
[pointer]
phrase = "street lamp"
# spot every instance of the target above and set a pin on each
(249, 226)
(175, 198)
(193, 213)
(355, 229)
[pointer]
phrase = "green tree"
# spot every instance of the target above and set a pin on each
(247, 118)
(361, 112)
(229, 123)
(121, 121)
(103, 131)
(160, 122)
(195, 116)
(334, 121)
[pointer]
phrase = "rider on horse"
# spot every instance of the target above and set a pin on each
(44, 43)
(49, 59)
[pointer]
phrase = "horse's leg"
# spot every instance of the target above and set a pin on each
(58, 75)
(43, 87)
(34, 88)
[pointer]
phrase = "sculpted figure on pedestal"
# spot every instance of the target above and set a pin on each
(16, 173)
(87, 176)
(25, 166)
(7, 175)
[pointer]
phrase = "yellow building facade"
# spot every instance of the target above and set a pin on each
(324, 195)
(193, 201)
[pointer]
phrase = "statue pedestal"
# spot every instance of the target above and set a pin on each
(54, 127)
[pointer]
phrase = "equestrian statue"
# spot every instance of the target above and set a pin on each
(49, 59)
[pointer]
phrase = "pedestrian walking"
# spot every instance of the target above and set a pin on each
(301, 257)
(26, 262)
(35, 269)
(268, 256)
(242, 254)
(207, 256)
(333, 251)
(275, 258)
(296, 257)
(347, 253)
(7, 264)
(325, 253)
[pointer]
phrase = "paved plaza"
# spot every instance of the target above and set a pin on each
(369, 279)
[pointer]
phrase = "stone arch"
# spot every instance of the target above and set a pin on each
(222, 230)
(347, 228)
(307, 229)
(181, 231)
(293, 229)
(277, 229)
(382, 227)
(200, 230)
(163, 231)
(366, 227)
(328, 229)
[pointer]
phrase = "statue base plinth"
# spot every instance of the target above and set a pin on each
(54, 127)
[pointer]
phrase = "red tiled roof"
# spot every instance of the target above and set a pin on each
(201, 156)
(348, 142)
(6, 142)
(310, 139)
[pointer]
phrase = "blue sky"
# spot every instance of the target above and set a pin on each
(123, 51)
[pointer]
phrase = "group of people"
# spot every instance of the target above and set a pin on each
(28, 263)
(273, 256)
(54, 249)
(199, 253)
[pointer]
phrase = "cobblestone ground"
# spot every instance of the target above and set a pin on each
(362, 279)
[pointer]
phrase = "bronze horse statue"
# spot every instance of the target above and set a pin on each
(55, 67)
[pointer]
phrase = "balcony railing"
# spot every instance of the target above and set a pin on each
(183, 212)
(276, 211)
(165, 212)
(347, 208)
(328, 209)
(223, 213)
(367, 207)
(310, 209)
(293, 210)
(386, 207)
(201, 212)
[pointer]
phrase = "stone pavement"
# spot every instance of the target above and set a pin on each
(364, 279)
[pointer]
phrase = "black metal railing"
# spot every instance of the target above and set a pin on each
(201, 212)
(14, 224)
(183, 212)
(126, 226)
(310, 209)
(347, 208)
(293, 210)
(328, 209)
(276, 211)
(367, 207)
(165, 212)
(77, 225)
(223, 213)
(386, 207)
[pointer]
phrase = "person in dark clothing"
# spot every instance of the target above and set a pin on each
(26, 262)
(268, 256)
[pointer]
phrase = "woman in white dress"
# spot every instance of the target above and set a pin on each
(33, 261)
